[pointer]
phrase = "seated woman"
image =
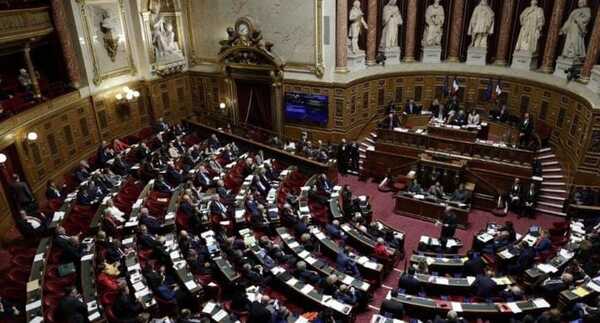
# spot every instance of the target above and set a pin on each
(473, 119)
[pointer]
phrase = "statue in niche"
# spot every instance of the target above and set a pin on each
(163, 36)
(575, 29)
(532, 20)
(434, 20)
(392, 19)
(357, 22)
(481, 25)
(111, 43)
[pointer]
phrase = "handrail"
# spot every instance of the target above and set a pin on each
(358, 136)
(484, 181)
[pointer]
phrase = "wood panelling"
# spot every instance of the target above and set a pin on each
(171, 98)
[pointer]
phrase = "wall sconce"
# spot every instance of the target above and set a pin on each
(222, 106)
(127, 95)
(3, 158)
(32, 136)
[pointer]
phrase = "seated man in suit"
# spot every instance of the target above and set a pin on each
(82, 172)
(345, 264)
(390, 122)
(552, 287)
(409, 283)
(119, 166)
(333, 230)
(152, 223)
(484, 286)
(126, 307)
(223, 192)
(411, 107)
(31, 226)
(213, 142)
(543, 243)
(203, 177)
(258, 311)
(460, 119)
(147, 240)
(436, 190)
(53, 192)
(346, 295)
(460, 195)
(473, 119)
(525, 130)
(391, 308)
(70, 308)
(104, 153)
(308, 276)
(439, 113)
(324, 186)
(160, 185)
(474, 266)
(525, 260)
(216, 207)
(174, 176)
(415, 187)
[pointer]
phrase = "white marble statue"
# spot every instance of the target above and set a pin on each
(392, 19)
(532, 20)
(481, 25)
(357, 22)
(163, 37)
(434, 19)
(575, 29)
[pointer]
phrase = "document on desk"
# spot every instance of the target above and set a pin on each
(33, 285)
(139, 286)
(581, 292)
(485, 237)
(594, 286)
(456, 306)
(541, 303)
(219, 315)
(33, 305)
(94, 316)
(547, 268)
(303, 254)
(190, 284)
(208, 308)
(442, 281)
(294, 244)
(38, 257)
(506, 254)
(514, 307)
(307, 289)
(470, 280)
(292, 281)
(348, 280)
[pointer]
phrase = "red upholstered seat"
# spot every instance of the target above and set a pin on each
(108, 298)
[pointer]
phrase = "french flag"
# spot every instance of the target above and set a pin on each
(455, 86)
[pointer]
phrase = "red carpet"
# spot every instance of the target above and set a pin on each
(383, 209)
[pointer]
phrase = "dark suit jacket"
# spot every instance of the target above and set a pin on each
(258, 313)
(526, 128)
(484, 286)
(21, 192)
(393, 308)
(410, 284)
(72, 310)
(474, 267)
(125, 307)
(412, 108)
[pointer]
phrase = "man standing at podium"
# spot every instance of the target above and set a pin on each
(525, 130)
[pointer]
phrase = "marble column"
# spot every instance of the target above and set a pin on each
(63, 29)
(37, 93)
(372, 32)
(456, 30)
(552, 36)
(504, 33)
(411, 31)
(593, 51)
(341, 36)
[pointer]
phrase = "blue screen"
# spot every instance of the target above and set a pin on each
(307, 109)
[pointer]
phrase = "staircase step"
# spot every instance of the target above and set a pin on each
(551, 170)
(548, 211)
(552, 197)
(370, 140)
(553, 190)
(553, 205)
(546, 157)
(543, 150)
(550, 183)
(553, 176)
(374, 134)
(550, 163)
(362, 149)
(363, 156)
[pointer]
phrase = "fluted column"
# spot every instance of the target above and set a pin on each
(411, 31)
(64, 29)
(593, 50)
(456, 30)
(372, 32)
(504, 33)
(37, 93)
(341, 38)
(552, 38)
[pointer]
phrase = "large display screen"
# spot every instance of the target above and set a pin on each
(307, 109)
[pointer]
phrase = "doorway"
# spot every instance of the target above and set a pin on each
(254, 103)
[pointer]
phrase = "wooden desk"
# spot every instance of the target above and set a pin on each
(580, 293)
(180, 266)
(427, 210)
(364, 243)
(36, 277)
(450, 132)
(137, 282)
(226, 269)
(538, 273)
(88, 282)
(441, 264)
(309, 293)
(307, 165)
(455, 285)
(319, 265)
(217, 313)
(427, 307)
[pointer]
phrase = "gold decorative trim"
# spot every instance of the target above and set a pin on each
(24, 24)
(130, 69)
